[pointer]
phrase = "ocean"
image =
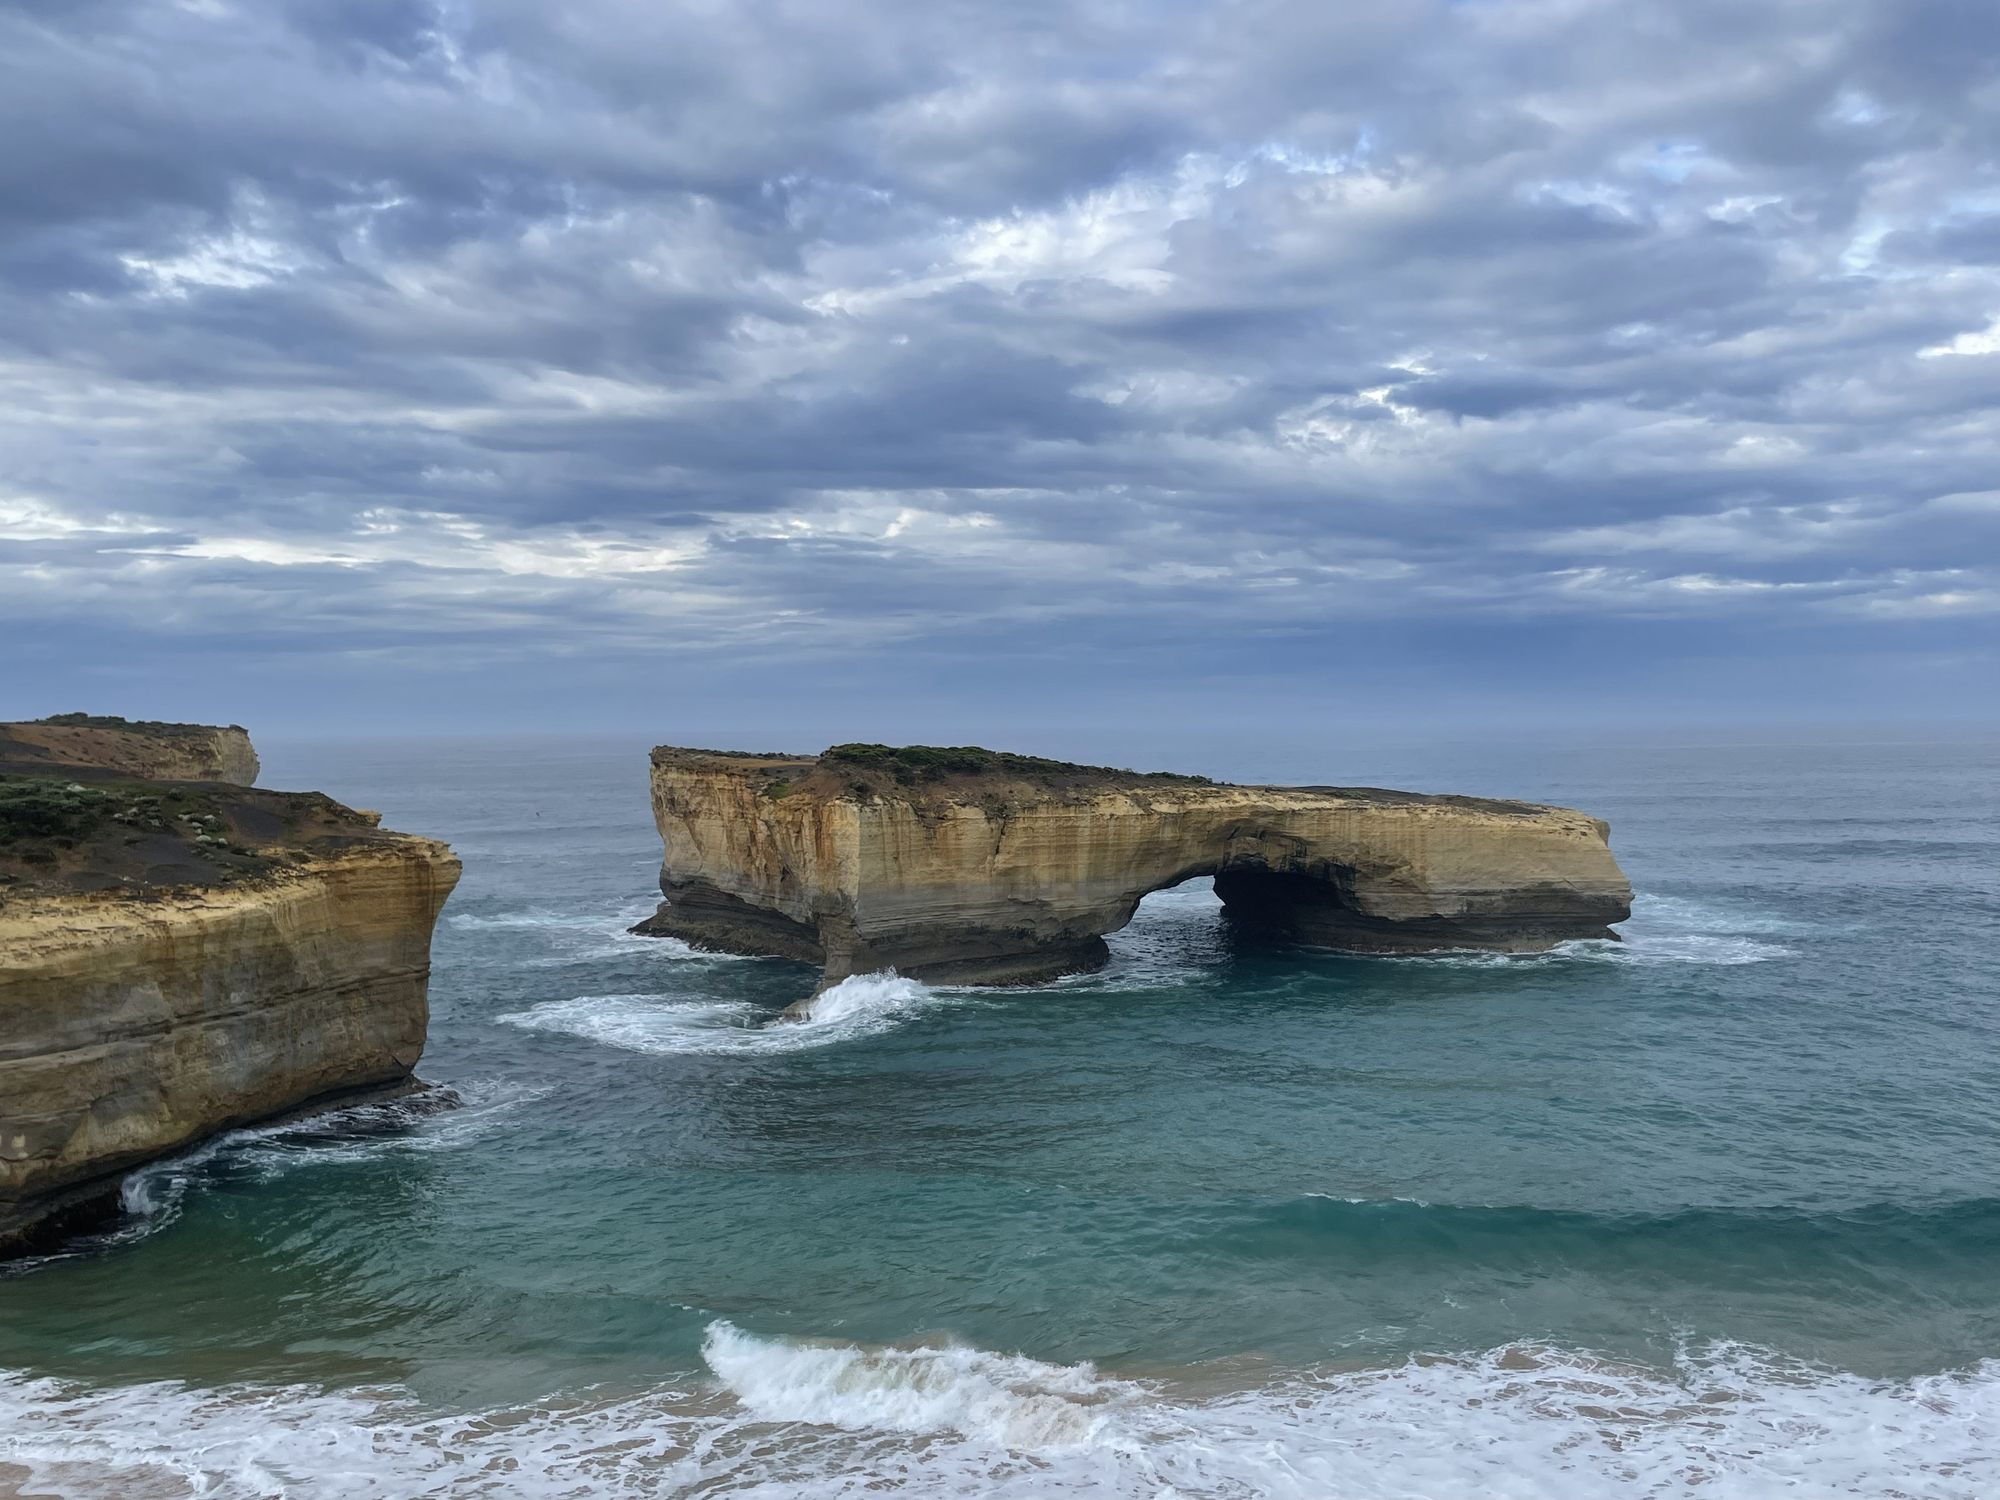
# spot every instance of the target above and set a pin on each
(1714, 1212)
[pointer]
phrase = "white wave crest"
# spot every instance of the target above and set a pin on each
(800, 1420)
(870, 1000)
(860, 1006)
(1007, 1401)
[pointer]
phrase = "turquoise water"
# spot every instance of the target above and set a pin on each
(1707, 1212)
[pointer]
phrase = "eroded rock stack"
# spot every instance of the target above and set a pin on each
(182, 955)
(972, 866)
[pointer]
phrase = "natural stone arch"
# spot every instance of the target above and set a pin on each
(1014, 870)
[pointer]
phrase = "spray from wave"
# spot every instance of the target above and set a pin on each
(802, 1420)
(856, 1007)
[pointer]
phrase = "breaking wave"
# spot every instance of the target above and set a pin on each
(860, 1006)
(1726, 1422)
(1006, 1401)
(430, 1120)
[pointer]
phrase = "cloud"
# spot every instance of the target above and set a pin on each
(749, 331)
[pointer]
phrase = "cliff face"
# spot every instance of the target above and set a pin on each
(1005, 870)
(134, 1028)
(165, 752)
(178, 958)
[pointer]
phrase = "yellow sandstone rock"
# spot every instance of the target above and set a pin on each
(967, 866)
(135, 1028)
(181, 957)
(165, 752)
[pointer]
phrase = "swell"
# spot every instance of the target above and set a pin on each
(1793, 1243)
(152, 1196)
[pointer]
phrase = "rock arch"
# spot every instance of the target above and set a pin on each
(1009, 870)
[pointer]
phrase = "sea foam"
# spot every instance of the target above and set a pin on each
(810, 1420)
(577, 936)
(856, 1007)
(1662, 931)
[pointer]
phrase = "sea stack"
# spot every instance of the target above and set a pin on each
(181, 953)
(971, 866)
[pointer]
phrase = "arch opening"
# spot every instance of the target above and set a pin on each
(1293, 906)
(1173, 929)
(1245, 902)
(1189, 898)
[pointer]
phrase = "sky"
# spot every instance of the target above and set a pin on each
(940, 371)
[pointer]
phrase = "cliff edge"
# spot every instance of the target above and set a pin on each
(138, 747)
(971, 866)
(179, 957)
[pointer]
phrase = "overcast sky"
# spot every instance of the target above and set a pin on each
(957, 370)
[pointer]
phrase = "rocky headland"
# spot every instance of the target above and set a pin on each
(962, 865)
(137, 747)
(180, 955)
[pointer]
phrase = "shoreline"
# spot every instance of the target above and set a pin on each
(824, 1419)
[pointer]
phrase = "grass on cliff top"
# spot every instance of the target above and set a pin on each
(41, 807)
(915, 763)
(54, 810)
(131, 726)
(78, 830)
(59, 834)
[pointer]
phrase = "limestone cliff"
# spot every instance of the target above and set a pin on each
(137, 747)
(177, 958)
(969, 866)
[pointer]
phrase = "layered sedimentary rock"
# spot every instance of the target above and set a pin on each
(181, 957)
(137, 747)
(968, 866)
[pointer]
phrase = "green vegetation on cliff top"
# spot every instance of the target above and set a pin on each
(57, 833)
(131, 726)
(911, 763)
(43, 807)
(84, 829)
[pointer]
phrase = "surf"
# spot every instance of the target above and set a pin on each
(664, 1026)
(788, 1417)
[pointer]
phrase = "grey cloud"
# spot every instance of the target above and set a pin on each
(605, 324)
